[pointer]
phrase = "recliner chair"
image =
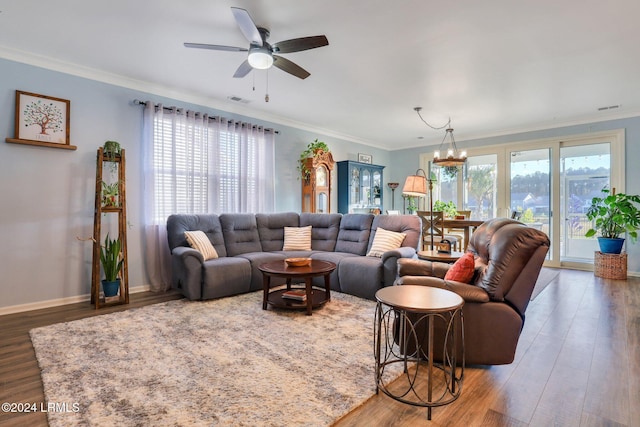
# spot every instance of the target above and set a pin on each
(508, 258)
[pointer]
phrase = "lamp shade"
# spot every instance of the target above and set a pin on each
(415, 186)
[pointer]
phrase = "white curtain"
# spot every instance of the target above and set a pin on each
(199, 164)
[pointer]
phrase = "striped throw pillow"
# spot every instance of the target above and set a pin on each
(200, 242)
(297, 238)
(384, 241)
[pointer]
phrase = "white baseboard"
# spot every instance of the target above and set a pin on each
(59, 301)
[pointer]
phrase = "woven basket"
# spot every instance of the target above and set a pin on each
(611, 266)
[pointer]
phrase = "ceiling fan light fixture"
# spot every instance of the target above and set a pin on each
(260, 58)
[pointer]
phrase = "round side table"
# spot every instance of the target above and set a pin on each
(440, 256)
(404, 345)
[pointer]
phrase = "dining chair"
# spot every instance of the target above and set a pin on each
(435, 227)
(459, 232)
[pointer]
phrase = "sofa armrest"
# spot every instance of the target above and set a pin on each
(403, 252)
(183, 252)
(390, 262)
(469, 293)
(186, 271)
(418, 267)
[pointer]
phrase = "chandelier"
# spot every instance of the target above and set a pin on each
(454, 158)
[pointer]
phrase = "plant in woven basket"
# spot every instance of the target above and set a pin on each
(614, 214)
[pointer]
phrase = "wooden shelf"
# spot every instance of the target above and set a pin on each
(41, 143)
(123, 294)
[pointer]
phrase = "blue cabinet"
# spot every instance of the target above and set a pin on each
(359, 187)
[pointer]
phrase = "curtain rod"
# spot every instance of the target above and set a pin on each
(138, 102)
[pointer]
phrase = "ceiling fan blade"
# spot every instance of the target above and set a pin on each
(247, 26)
(216, 47)
(243, 69)
(289, 67)
(297, 45)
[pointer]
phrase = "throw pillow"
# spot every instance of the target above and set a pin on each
(297, 238)
(462, 270)
(384, 241)
(200, 242)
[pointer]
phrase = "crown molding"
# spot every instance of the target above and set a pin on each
(89, 73)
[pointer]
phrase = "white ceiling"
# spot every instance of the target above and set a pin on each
(493, 66)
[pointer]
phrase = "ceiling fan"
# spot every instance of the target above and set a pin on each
(262, 54)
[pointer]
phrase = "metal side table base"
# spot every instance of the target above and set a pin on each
(404, 346)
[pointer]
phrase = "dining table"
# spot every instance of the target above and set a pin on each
(465, 224)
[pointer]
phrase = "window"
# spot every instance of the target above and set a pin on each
(203, 165)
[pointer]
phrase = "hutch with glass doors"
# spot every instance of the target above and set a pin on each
(359, 187)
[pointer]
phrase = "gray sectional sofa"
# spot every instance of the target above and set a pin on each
(244, 241)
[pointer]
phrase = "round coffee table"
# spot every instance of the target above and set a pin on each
(404, 335)
(314, 297)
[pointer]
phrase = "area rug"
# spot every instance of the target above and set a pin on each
(546, 276)
(215, 363)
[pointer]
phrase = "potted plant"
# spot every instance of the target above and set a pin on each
(412, 207)
(110, 194)
(112, 261)
(449, 208)
(312, 150)
(613, 215)
(111, 149)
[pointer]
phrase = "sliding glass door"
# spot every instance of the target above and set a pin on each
(530, 188)
(584, 171)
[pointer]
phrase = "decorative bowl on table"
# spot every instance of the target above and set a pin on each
(297, 262)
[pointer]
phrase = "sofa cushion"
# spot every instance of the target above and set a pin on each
(208, 223)
(225, 276)
(297, 238)
(462, 270)
(354, 233)
(257, 259)
(361, 276)
(385, 240)
(200, 242)
(271, 229)
(408, 224)
(240, 233)
(324, 231)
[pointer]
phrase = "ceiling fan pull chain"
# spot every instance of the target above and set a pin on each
(266, 96)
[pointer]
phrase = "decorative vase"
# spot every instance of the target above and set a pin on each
(110, 288)
(610, 245)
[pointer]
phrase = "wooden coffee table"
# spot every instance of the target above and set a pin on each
(315, 297)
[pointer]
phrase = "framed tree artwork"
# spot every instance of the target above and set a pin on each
(42, 121)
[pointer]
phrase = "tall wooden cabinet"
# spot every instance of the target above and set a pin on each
(316, 183)
(359, 187)
(107, 206)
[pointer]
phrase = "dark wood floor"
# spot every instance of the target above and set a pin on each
(578, 364)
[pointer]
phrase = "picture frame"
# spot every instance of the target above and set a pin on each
(365, 158)
(42, 121)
